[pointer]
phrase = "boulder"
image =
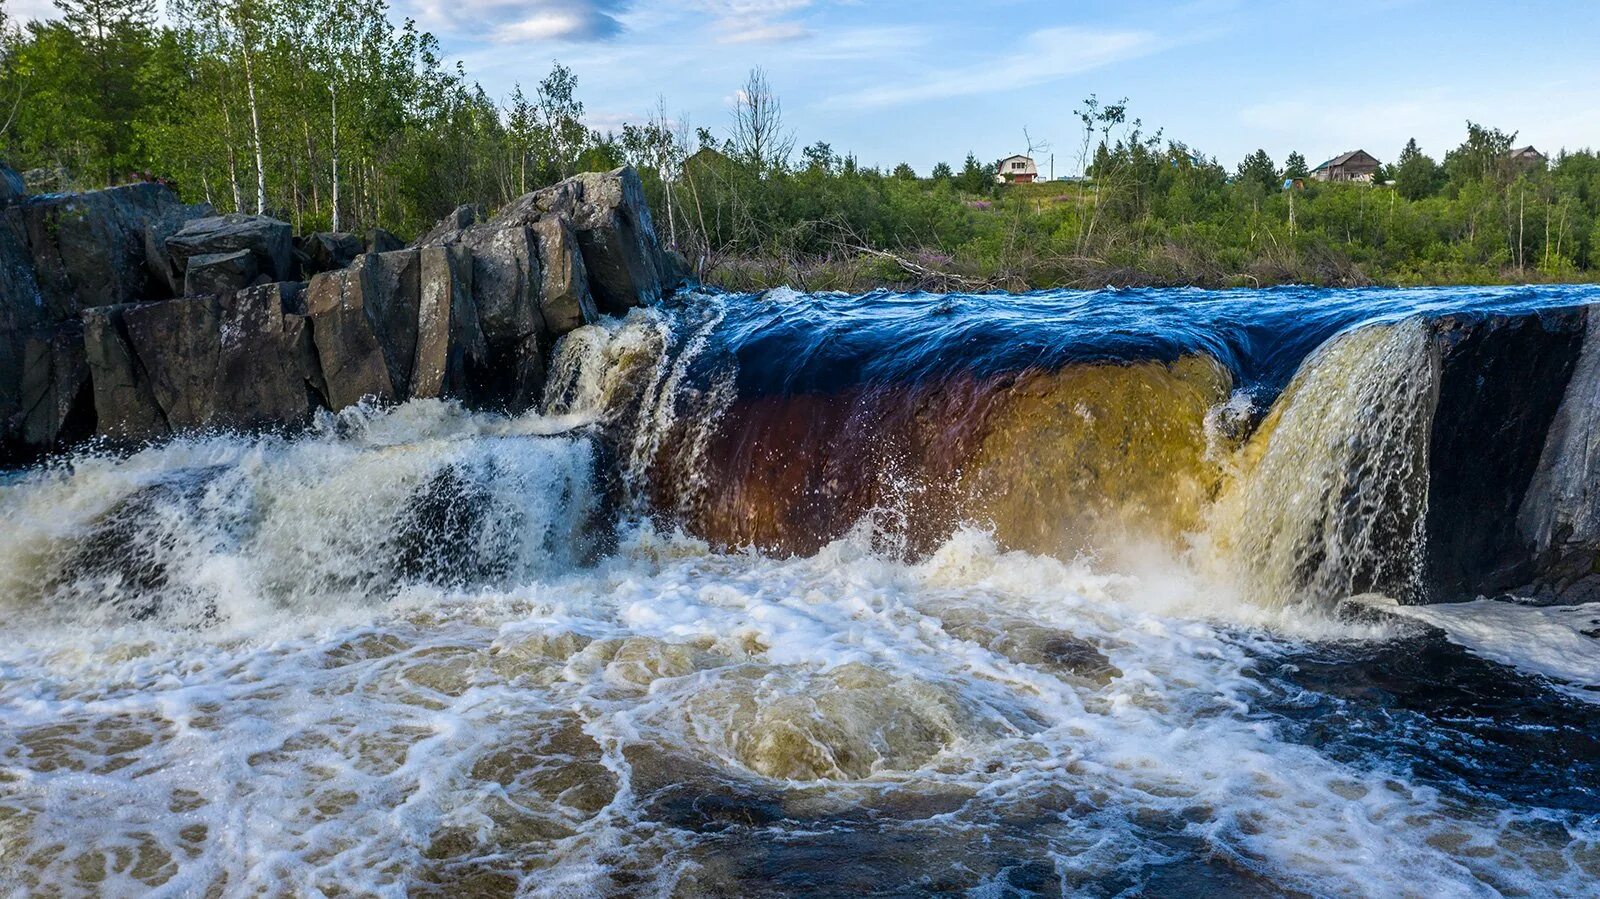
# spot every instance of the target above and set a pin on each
(325, 251)
(364, 324)
(1501, 380)
(619, 242)
(124, 404)
(166, 277)
(461, 218)
(57, 401)
(12, 187)
(267, 238)
(236, 361)
(219, 273)
(1559, 519)
(564, 300)
(450, 344)
(88, 250)
(381, 241)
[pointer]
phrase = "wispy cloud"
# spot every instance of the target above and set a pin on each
(520, 21)
(1043, 56)
(756, 21)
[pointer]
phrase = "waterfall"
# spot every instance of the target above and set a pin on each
(1330, 495)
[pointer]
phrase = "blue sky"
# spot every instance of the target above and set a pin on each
(928, 81)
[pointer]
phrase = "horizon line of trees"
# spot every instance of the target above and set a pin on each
(329, 115)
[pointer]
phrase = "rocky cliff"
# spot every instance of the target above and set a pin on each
(129, 315)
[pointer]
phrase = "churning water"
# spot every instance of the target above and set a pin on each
(799, 595)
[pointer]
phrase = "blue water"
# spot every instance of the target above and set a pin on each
(792, 343)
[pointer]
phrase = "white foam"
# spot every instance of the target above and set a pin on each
(1557, 642)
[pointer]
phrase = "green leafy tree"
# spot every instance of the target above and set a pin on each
(975, 177)
(942, 172)
(1415, 174)
(1295, 167)
(1258, 171)
(905, 172)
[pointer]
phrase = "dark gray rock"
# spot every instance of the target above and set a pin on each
(564, 300)
(166, 277)
(325, 251)
(1502, 379)
(267, 238)
(505, 283)
(88, 250)
(219, 273)
(236, 361)
(450, 343)
(124, 404)
(364, 324)
(1560, 515)
(461, 218)
(57, 405)
(381, 241)
(619, 242)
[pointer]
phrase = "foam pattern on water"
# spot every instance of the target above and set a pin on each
(671, 721)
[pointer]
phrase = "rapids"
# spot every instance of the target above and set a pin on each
(1105, 593)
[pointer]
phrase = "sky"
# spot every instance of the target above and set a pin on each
(929, 81)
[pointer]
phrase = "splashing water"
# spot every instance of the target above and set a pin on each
(417, 652)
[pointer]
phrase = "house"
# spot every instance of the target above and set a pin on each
(1016, 169)
(1356, 165)
(1528, 157)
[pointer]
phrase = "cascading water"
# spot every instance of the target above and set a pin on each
(1329, 498)
(787, 594)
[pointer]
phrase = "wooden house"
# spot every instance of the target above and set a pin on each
(1356, 165)
(1017, 170)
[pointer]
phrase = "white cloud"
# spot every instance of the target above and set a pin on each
(520, 21)
(755, 21)
(1043, 56)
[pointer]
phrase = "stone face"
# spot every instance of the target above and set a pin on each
(1501, 381)
(450, 344)
(505, 282)
(459, 219)
(219, 273)
(236, 361)
(1560, 515)
(57, 400)
(325, 251)
(267, 238)
(619, 242)
(381, 241)
(364, 322)
(564, 300)
(88, 250)
(165, 274)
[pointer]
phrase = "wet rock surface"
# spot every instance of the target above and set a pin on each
(126, 313)
(1502, 379)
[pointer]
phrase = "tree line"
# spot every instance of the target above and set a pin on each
(328, 114)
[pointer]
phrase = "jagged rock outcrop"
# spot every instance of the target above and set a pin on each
(61, 255)
(1501, 380)
(220, 273)
(268, 239)
(325, 251)
(381, 241)
(236, 361)
(564, 299)
(1559, 519)
(88, 250)
(94, 340)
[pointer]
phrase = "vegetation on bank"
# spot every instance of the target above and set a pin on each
(326, 114)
